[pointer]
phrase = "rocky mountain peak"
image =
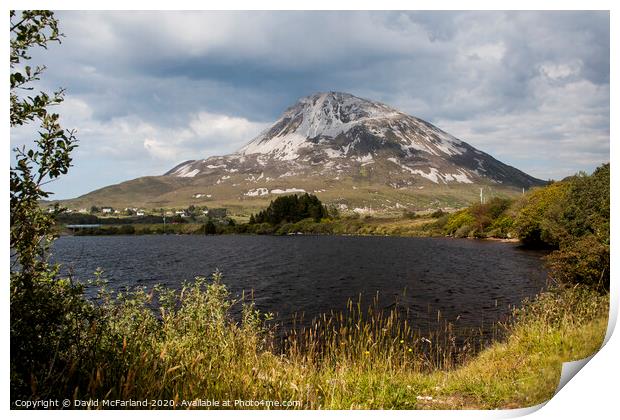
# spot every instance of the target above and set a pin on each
(345, 125)
(339, 135)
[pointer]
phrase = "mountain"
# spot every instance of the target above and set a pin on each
(350, 151)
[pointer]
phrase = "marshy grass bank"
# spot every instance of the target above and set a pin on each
(191, 347)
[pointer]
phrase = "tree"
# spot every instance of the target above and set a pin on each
(291, 208)
(45, 311)
(581, 224)
(36, 167)
(572, 216)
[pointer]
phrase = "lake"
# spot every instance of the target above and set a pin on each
(471, 283)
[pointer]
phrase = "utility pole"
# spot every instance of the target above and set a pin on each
(481, 199)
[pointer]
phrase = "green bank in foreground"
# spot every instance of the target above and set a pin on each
(192, 348)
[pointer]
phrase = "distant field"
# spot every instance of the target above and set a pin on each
(174, 192)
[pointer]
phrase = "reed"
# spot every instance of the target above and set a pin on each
(187, 345)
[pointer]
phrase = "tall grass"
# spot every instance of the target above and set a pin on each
(189, 344)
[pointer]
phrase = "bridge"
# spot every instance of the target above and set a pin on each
(75, 228)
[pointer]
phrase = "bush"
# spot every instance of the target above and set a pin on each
(463, 231)
(501, 227)
(585, 261)
(573, 217)
(536, 221)
(457, 220)
(51, 323)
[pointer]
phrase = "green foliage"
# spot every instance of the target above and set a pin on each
(291, 208)
(502, 227)
(536, 220)
(30, 225)
(586, 211)
(200, 343)
(572, 216)
(581, 227)
(585, 260)
(560, 325)
(85, 219)
(48, 315)
(34, 28)
(460, 223)
(478, 220)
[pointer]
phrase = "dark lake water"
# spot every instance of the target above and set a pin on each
(472, 283)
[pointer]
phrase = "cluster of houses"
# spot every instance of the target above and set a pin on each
(127, 210)
(215, 213)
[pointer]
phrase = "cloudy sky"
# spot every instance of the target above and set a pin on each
(147, 90)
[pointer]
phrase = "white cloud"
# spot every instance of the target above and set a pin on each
(486, 52)
(131, 138)
(557, 71)
(205, 135)
(563, 133)
(221, 128)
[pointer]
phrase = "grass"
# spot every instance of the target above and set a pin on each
(178, 192)
(142, 229)
(382, 226)
(192, 347)
(559, 326)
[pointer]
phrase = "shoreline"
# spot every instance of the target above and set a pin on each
(489, 238)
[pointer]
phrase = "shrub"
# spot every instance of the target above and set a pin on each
(501, 227)
(457, 220)
(463, 231)
(536, 220)
(572, 216)
(584, 261)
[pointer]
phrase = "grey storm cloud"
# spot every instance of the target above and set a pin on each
(147, 90)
